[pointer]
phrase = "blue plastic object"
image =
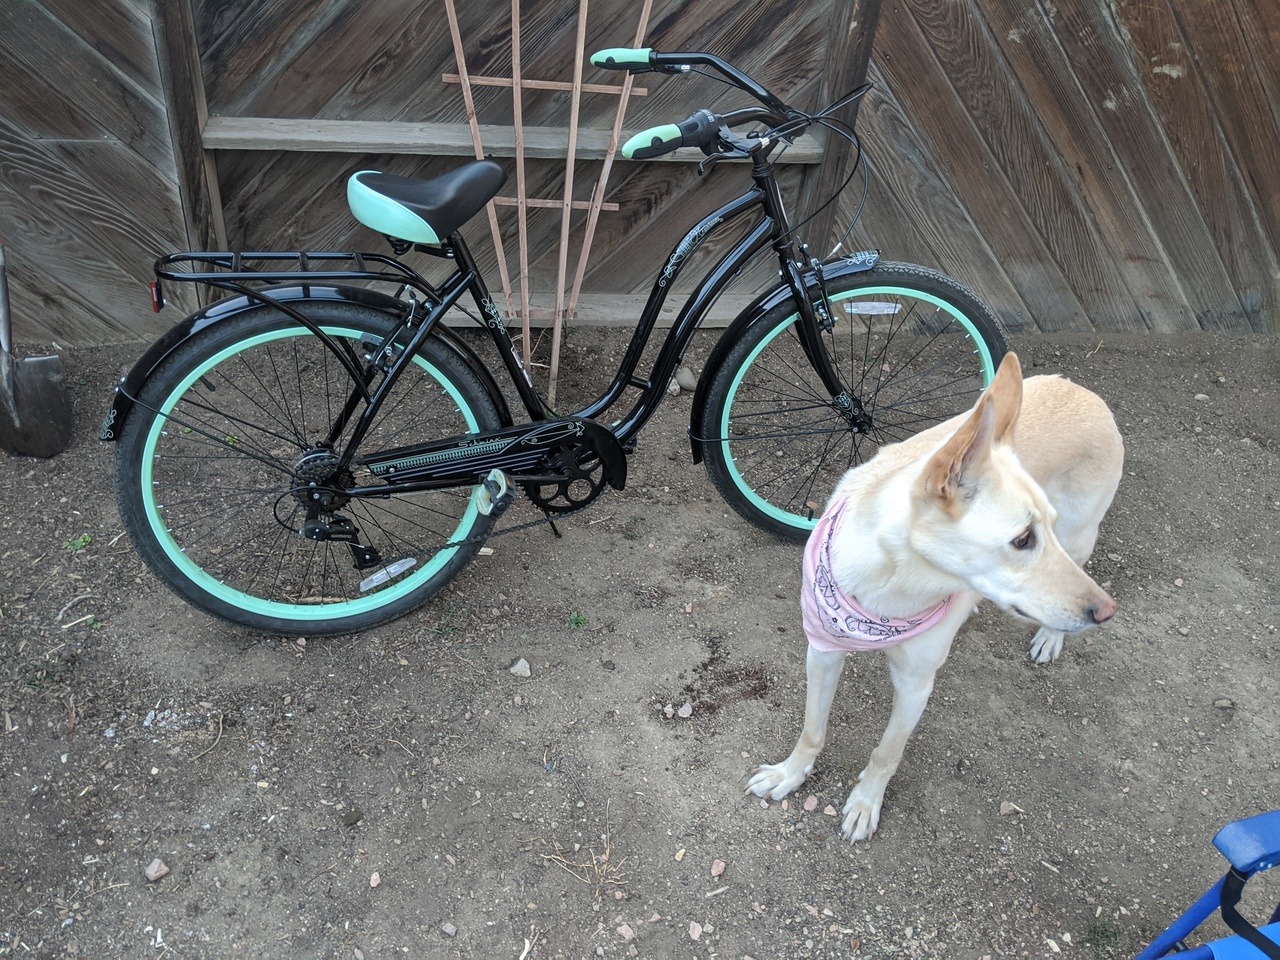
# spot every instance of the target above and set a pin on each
(1252, 844)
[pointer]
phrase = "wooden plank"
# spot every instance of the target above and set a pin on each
(1029, 166)
(1044, 74)
(434, 139)
(117, 37)
(527, 84)
(1171, 82)
(975, 176)
(853, 30)
(73, 242)
(1241, 105)
(912, 211)
(184, 95)
(122, 107)
(1112, 81)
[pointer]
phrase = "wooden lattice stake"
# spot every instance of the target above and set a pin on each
(522, 201)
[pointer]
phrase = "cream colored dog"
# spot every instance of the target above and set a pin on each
(1004, 503)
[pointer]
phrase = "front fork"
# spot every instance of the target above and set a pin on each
(811, 324)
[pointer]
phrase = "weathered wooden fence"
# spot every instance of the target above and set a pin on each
(1083, 164)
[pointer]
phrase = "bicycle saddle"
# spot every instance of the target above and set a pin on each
(423, 211)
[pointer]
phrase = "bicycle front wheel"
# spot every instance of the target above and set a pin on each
(912, 345)
(217, 460)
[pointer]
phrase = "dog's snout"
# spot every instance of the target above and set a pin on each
(1102, 611)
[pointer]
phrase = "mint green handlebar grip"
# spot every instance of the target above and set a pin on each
(653, 142)
(621, 58)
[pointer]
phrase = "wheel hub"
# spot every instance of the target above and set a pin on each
(320, 484)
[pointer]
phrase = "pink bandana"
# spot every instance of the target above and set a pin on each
(834, 621)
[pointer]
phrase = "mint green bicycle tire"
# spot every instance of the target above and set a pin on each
(914, 346)
(205, 476)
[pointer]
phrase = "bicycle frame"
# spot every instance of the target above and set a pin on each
(772, 229)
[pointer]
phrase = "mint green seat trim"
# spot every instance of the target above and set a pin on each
(622, 56)
(385, 215)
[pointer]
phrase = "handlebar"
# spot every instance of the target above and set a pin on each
(646, 59)
(704, 129)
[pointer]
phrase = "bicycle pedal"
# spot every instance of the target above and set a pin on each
(496, 494)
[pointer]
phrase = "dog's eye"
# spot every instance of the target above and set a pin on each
(1025, 540)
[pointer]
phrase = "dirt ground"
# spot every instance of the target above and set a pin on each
(402, 794)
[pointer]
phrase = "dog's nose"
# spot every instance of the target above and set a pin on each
(1103, 611)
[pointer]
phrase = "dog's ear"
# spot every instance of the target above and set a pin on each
(1006, 393)
(963, 455)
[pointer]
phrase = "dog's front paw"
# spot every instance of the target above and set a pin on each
(861, 813)
(773, 781)
(1046, 645)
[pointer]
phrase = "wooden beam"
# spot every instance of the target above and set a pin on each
(183, 84)
(437, 139)
(848, 53)
(543, 84)
(553, 204)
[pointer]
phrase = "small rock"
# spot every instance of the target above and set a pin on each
(810, 804)
(521, 668)
(829, 810)
(679, 854)
(1184, 630)
(668, 711)
(1007, 808)
(1202, 396)
(685, 712)
(625, 932)
(695, 930)
(448, 929)
(686, 378)
(717, 867)
(156, 869)
(352, 817)
(1224, 703)
(673, 388)
(1177, 582)
(375, 879)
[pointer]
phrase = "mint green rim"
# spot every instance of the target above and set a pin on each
(793, 520)
(273, 608)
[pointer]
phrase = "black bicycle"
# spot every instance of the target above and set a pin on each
(312, 456)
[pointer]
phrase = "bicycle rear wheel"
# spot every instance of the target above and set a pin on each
(216, 462)
(912, 345)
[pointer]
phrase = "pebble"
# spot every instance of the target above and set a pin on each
(625, 932)
(448, 929)
(156, 869)
(695, 930)
(685, 712)
(1007, 808)
(811, 804)
(521, 668)
(829, 810)
(1184, 630)
(1202, 396)
(686, 378)
(717, 867)
(679, 854)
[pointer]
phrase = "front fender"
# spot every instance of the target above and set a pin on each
(129, 385)
(755, 313)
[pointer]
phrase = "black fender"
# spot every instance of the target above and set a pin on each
(755, 313)
(133, 381)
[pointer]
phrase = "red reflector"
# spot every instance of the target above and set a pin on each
(156, 300)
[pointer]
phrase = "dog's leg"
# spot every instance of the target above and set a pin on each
(912, 667)
(776, 780)
(1046, 645)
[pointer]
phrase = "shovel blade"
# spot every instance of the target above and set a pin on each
(35, 410)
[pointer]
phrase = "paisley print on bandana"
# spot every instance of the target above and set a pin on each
(834, 621)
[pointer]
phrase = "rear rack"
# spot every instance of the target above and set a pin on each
(229, 270)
